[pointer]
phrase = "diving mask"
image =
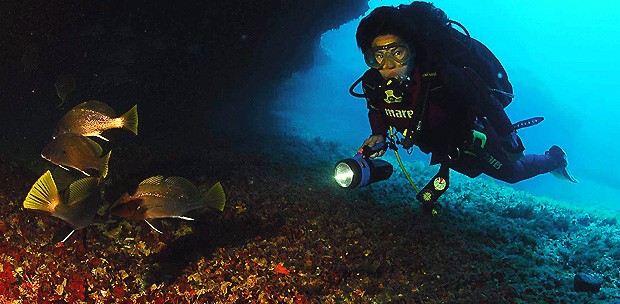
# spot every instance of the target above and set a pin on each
(377, 56)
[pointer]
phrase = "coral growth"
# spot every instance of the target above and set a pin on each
(290, 235)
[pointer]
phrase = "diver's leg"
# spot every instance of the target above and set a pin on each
(495, 163)
(526, 167)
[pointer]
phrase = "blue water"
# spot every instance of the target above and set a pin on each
(561, 57)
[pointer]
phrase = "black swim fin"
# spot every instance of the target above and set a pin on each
(561, 172)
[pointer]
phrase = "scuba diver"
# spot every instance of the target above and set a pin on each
(445, 93)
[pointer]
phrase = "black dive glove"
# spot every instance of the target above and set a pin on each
(511, 145)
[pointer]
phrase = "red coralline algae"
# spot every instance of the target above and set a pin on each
(281, 270)
(7, 273)
(75, 288)
(6, 278)
(119, 291)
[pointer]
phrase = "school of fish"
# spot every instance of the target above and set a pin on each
(71, 148)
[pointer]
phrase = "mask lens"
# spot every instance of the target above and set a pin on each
(371, 59)
(400, 54)
(377, 56)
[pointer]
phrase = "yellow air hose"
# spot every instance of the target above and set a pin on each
(400, 162)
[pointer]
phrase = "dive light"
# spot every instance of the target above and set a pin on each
(360, 170)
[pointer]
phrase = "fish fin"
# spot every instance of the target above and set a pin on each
(66, 237)
(81, 189)
(124, 199)
(183, 184)
(130, 120)
(62, 178)
(153, 180)
(153, 227)
(97, 106)
(104, 164)
(183, 217)
(43, 195)
(64, 85)
(84, 172)
(93, 145)
(99, 136)
(215, 197)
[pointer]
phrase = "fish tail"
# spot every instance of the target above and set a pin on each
(215, 198)
(130, 120)
(43, 195)
(104, 165)
(81, 189)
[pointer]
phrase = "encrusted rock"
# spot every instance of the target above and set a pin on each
(587, 282)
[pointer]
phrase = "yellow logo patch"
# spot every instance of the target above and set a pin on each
(390, 98)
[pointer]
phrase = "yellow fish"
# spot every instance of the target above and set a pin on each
(92, 117)
(78, 152)
(76, 205)
(173, 197)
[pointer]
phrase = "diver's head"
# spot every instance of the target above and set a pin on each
(391, 56)
(386, 39)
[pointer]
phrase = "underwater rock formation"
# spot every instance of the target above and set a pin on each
(587, 282)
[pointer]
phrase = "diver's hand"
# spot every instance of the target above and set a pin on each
(512, 146)
(373, 140)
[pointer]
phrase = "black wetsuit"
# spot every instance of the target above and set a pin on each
(444, 105)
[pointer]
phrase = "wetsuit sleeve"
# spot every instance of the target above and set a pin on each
(377, 122)
(477, 97)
